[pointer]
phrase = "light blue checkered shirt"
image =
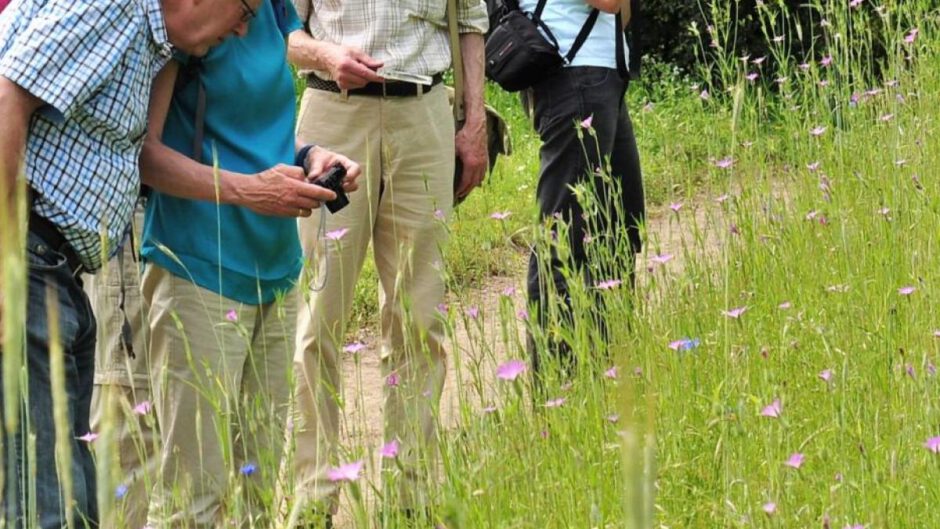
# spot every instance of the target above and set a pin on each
(92, 62)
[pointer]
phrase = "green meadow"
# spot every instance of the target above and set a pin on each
(775, 365)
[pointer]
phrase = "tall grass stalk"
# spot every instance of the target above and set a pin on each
(60, 405)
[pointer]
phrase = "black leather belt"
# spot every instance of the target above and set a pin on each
(50, 234)
(388, 89)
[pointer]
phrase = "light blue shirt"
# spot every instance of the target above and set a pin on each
(92, 63)
(249, 127)
(565, 18)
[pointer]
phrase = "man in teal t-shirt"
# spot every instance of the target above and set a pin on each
(219, 278)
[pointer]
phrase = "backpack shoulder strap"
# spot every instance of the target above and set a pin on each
(192, 72)
(280, 15)
(583, 35)
(619, 34)
(456, 61)
(578, 41)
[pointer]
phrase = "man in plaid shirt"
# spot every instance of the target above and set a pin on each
(374, 93)
(75, 79)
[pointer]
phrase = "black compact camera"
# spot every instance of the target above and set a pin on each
(333, 180)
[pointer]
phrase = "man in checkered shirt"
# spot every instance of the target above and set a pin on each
(75, 79)
(364, 61)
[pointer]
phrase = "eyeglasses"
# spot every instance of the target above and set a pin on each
(247, 12)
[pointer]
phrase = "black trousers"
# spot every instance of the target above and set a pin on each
(570, 155)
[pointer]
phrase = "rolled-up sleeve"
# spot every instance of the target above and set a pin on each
(69, 50)
(472, 16)
(303, 9)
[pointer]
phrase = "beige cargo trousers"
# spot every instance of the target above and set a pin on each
(406, 148)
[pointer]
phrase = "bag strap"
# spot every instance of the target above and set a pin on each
(200, 120)
(579, 40)
(621, 53)
(456, 60)
(192, 72)
(634, 31)
(539, 7)
(582, 35)
(280, 14)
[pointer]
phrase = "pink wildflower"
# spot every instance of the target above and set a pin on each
(933, 444)
(772, 410)
(336, 235)
(354, 347)
(662, 258)
(511, 370)
(390, 449)
(725, 162)
(795, 460)
(345, 472)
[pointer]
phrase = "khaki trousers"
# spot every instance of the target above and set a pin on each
(220, 394)
(406, 148)
(129, 440)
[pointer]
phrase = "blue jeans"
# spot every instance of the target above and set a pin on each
(41, 487)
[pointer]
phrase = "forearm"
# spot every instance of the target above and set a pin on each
(170, 172)
(471, 50)
(305, 52)
(12, 145)
(16, 107)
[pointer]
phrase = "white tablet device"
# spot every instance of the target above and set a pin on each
(395, 75)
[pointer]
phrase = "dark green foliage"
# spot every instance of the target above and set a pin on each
(666, 31)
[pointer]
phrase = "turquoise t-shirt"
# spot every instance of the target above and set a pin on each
(565, 18)
(249, 127)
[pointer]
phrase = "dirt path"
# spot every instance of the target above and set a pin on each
(670, 234)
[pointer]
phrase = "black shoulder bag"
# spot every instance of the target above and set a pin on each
(521, 51)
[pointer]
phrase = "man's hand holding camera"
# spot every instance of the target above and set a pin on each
(332, 171)
(290, 191)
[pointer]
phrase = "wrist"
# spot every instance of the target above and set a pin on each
(474, 111)
(300, 160)
(231, 188)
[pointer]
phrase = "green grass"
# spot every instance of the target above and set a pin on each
(828, 241)
(820, 259)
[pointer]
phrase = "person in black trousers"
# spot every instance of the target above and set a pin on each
(587, 138)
